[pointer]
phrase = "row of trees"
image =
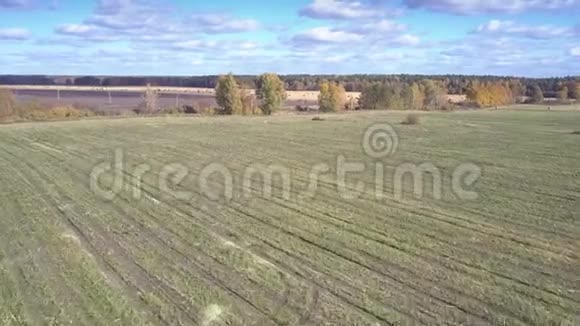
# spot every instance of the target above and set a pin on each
(423, 95)
(454, 84)
(270, 94)
(504, 92)
(496, 93)
(569, 90)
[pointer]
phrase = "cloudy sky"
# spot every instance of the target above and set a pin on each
(193, 37)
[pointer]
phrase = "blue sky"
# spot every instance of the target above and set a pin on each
(191, 37)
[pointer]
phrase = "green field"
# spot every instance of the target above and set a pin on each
(511, 256)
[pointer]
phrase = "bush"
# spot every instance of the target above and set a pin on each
(172, 110)
(36, 115)
(190, 109)
(411, 119)
(67, 112)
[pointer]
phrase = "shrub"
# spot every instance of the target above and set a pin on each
(411, 119)
(173, 110)
(190, 109)
(36, 115)
(67, 112)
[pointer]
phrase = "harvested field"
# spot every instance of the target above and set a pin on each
(69, 256)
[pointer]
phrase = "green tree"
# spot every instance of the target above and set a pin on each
(537, 94)
(228, 95)
(387, 96)
(332, 97)
(563, 94)
(7, 106)
(372, 97)
(270, 92)
(435, 95)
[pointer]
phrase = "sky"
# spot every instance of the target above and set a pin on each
(532, 38)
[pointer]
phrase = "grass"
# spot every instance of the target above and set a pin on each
(68, 256)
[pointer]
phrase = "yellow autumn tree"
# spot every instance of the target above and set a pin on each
(492, 93)
(332, 97)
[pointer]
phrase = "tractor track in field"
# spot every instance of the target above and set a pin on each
(496, 274)
(432, 259)
(95, 242)
(303, 319)
(71, 295)
(185, 259)
(391, 262)
(469, 224)
(513, 238)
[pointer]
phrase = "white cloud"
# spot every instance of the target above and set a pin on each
(575, 51)
(18, 34)
(16, 4)
(491, 6)
(195, 45)
(507, 27)
(407, 39)
(342, 9)
(327, 35)
(383, 26)
(222, 23)
(129, 14)
(75, 29)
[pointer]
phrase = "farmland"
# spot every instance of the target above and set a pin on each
(127, 98)
(69, 256)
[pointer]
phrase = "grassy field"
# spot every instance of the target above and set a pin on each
(510, 257)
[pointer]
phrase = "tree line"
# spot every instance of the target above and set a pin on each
(270, 94)
(454, 84)
(505, 92)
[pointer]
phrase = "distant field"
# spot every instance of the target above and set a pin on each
(126, 98)
(69, 256)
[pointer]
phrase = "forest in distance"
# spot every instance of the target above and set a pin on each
(455, 84)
